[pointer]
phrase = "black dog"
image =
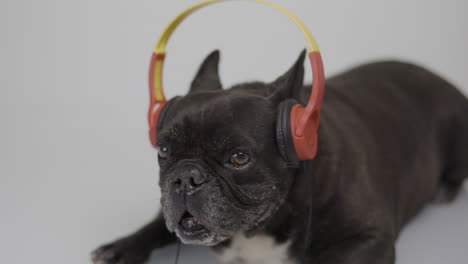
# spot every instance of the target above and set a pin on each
(392, 136)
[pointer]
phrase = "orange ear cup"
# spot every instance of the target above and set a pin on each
(305, 146)
(305, 120)
(153, 117)
(157, 98)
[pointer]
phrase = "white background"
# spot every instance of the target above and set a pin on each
(76, 167)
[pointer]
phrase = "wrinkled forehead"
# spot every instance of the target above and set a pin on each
(219, 118)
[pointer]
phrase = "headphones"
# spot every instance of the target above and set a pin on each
(296, 130)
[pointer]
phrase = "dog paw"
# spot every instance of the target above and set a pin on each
(120, 252)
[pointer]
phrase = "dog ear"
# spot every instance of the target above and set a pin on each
(290, 84)
(207, 77)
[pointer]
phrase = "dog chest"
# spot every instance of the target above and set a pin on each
(260, 249)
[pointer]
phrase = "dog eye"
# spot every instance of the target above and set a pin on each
(163, 151)
(239, 159)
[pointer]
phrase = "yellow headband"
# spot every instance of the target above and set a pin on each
(160, 47)
(156, 90)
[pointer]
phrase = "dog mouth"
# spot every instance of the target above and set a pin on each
(191, 231)
(191, 226)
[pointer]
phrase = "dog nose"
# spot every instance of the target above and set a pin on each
(189, 181)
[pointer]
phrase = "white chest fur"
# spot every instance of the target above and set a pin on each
(259, 249)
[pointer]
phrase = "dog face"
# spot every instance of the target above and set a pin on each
(220, 170)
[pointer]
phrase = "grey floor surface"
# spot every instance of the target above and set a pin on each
(439, 235)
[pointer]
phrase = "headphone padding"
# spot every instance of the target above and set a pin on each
(283, 133)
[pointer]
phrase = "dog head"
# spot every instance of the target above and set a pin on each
(220, 169)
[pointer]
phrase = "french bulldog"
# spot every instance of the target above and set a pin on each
(392, 137)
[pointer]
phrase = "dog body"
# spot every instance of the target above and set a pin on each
(392, 136)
